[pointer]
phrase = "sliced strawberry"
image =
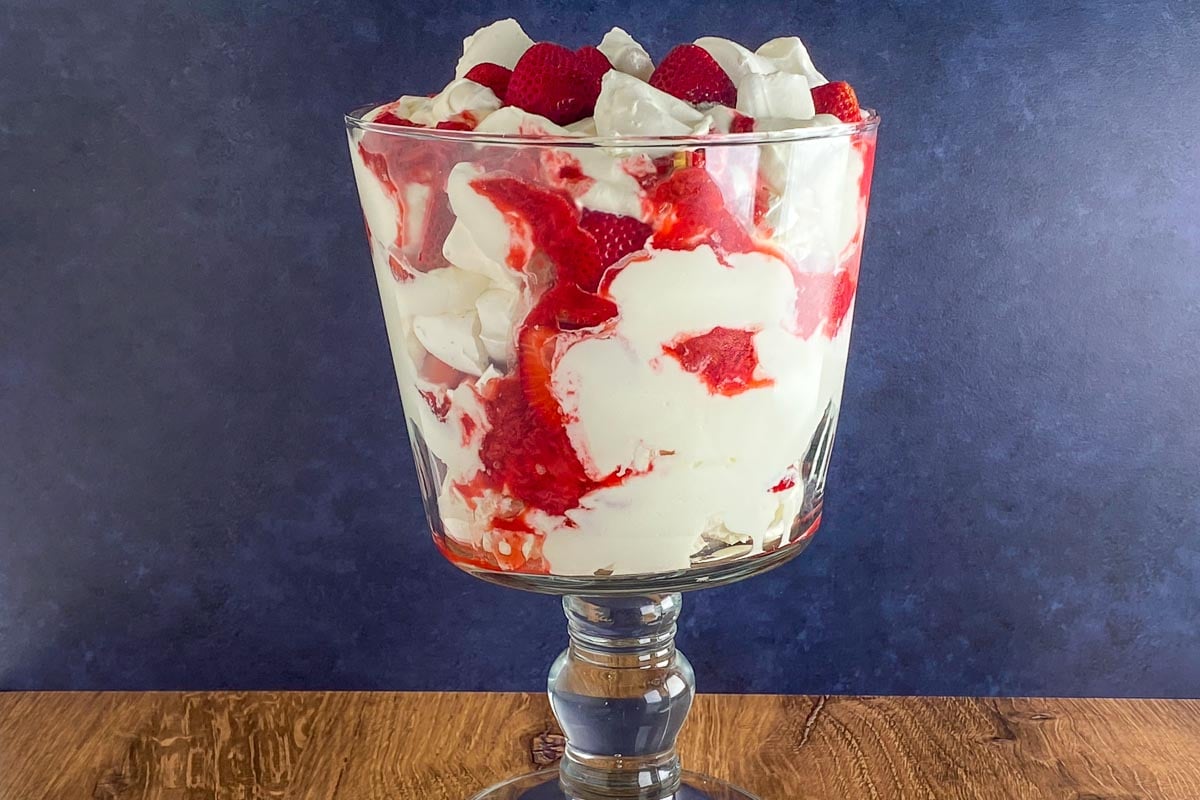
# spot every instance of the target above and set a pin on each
(534, 370)
(691, 211)
(550, 80)
(690, 73)
(616, 236)
(439, 219)
(454, 125)
(570, 308)
(837, 98)
(724, 358)
(493, 76)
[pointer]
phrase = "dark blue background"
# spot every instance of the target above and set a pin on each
(205, 481)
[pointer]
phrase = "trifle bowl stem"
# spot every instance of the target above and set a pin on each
(621, 692)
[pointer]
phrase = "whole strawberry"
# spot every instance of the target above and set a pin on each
(552, 81)
(837, 98)
(690, 73)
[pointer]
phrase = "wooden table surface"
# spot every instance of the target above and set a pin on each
(372, 746)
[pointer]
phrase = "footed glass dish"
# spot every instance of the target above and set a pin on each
(621, 365)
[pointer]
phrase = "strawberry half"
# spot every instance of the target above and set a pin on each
(616, 235)
(594, 64)
(493, 76)
(837, 98)
(551, 81)
(690, 73)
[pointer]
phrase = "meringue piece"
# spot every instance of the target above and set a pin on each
(511, 120)
(441, 291)
(503, 42)
(790, 55)
(780, 94)
(416, 207)
(614, 188)
(722, 118)
(453, 338)
(461, 250)
(737, 61)
(491, 232)
(463, 96)
(629, 107)
(626, 55)
(583, 127)
(497, 309)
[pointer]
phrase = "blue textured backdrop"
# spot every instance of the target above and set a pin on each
(205, 481)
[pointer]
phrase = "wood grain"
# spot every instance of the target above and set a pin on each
(372, 746)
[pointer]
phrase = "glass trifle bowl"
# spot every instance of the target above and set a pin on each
(621, 364)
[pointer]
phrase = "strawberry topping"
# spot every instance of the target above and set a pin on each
(525, 455)
(389, 118)
(691, 212)
(554, 221)
(724, 358)
(493, 76)
(553, 82)
(837, 98)
(690, 73)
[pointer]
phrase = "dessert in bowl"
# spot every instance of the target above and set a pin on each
(618, 297)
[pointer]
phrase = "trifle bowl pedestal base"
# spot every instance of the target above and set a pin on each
(621, 693)
(545, 785)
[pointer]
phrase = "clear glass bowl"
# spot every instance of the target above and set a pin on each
(621, 360)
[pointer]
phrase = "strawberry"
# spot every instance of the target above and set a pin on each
(837, 98)
(570, 308)
(554, 222)
(439, 218)
(389, 118)
(535, 346)
(454, 125)
(692, 212)
(839, 306)
(493, 76)
(724, 358)
(616, 236)
(550, 80)
(690, 73)
(594, 64)
(741, 123)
